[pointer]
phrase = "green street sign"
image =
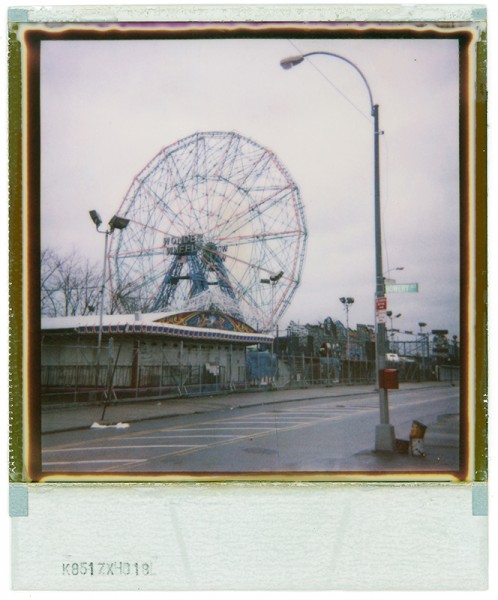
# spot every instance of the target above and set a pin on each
(401, 288)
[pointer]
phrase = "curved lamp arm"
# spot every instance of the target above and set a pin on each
(292, 61)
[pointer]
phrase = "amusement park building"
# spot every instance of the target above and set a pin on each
(152, 353)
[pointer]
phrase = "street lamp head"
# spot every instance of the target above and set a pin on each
(118, 223)
(292, 61)
(347, 301)
(94, 215)
(276, 277)
(394, 269)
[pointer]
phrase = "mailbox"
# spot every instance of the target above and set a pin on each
(388, 379)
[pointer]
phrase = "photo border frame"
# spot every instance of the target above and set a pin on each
(20, 268)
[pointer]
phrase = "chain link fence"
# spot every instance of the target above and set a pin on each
(76, 372)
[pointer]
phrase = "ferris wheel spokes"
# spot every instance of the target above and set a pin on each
(212, 216)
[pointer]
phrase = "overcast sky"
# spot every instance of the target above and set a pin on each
(108, 107)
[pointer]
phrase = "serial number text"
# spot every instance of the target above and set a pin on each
(115, 568)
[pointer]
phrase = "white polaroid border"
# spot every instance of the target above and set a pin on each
(240, 535)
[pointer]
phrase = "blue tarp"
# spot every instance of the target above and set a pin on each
(260, 365)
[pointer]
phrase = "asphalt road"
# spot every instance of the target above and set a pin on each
(310, 435)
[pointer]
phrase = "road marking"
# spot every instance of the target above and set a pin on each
(126, 447)
(235, 440)
(170, 435)
(83, 462)
(267, 422)
(317, 413)
(236, 421)
(242, 425)
(278, 421)
(190, 448)
(295, 417)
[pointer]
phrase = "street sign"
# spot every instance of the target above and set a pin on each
(380, 309)
(381, 303)
(401, 288)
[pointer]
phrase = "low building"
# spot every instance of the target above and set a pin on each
(144, 354)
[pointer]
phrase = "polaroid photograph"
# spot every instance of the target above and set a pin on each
(246, 251)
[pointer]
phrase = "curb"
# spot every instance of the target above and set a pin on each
(268, 401)
(200, 412)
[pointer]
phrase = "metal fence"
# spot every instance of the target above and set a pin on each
(73, 373)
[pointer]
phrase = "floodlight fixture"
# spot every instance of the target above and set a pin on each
(347, 301)
(94, 215)
(292, 61)
(118, 223)
(276, 277)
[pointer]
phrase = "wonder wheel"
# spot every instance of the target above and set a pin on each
(215, 222)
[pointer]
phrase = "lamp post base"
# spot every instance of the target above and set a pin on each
(385, 440)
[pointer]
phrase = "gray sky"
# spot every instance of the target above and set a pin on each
(109, 107)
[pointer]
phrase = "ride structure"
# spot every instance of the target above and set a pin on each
(215, 223)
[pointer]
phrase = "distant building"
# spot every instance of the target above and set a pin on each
(311, 338)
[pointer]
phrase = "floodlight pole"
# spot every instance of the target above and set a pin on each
(102, 291)
(347, 304)
(272, 281)
(116, 222)
(384, 431)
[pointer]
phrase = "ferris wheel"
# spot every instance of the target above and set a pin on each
(215, 223)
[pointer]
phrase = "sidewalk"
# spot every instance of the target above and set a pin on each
(441, 452)
(66, 417)
(441, 441)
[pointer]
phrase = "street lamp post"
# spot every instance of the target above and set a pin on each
(424, 343)
(347, 304)
(389, 313)
(384, 432)
(272, 280)
(115, 223)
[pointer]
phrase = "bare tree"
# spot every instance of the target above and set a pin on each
(127, 298)
(70, 284)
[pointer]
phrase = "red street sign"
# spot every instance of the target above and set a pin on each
(381, 303)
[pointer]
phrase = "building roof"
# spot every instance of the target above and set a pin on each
(148, 323)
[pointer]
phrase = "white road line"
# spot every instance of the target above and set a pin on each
(235, 421)
(328, 408)
(173, 429)
(84, 462)
(271, 421)
(237, 426)
(125, 447)
(282, 421)
(172, 435)
(275, 420)
(312, 413)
